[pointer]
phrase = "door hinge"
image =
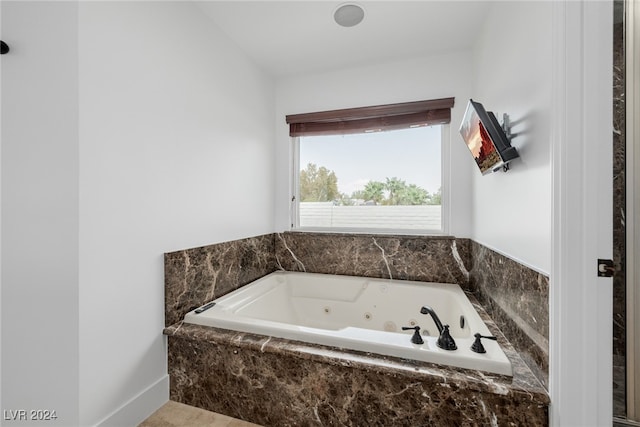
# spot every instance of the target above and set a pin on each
(605, 268)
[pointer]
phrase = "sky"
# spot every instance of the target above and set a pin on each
(412, 155)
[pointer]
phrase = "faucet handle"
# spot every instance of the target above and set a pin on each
(416, 338)
(446, 341)
(477, 344)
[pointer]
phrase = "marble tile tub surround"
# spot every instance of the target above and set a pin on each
(276, 382)
(517, 299)
(195, 276)
(515, 295)
(443, 259)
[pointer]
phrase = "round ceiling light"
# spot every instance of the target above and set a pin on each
(348, 15)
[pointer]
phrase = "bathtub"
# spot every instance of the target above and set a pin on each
(357, 313)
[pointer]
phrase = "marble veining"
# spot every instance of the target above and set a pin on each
(619, 226)
(384, 258)
(422, 258)
(196, 276)
(458, 259)
(277, 382)
(517, 298)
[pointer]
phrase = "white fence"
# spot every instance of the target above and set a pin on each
(325, 214)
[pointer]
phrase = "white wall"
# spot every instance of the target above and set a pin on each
(513, 70)
(130, 129)
(160, 94)
(176, 132)
(434, 77)
(40, 211)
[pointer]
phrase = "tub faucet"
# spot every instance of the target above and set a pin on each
(428, 310)
(445, 340)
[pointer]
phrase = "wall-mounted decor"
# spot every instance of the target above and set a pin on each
(488, 141)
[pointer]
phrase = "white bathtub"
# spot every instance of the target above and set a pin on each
(357, 313)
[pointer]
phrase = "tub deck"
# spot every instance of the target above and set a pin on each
(275, 381)
(357, 313)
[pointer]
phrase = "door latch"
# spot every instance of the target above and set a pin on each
(605, 268)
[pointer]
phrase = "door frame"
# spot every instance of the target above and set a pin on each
(632, 43)
(580, 332)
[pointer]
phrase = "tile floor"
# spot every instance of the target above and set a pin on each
(174, 414)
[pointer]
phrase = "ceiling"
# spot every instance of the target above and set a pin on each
(295, 37)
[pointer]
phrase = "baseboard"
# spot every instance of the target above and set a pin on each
(140, 407)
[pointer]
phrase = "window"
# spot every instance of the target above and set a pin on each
(355, 170)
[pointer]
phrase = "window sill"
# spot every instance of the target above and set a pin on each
(373, 231)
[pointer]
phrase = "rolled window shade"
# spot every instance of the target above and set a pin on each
(371, 119)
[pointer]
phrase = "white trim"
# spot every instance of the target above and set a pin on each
(380, 231)
(1, 149)
(445, 179)
(632, 37)
(140, 407)
(294, 197)
(580, 357)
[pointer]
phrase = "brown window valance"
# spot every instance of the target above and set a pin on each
(376, 118)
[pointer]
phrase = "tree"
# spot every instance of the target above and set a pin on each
(318, 184)
(395, 191)
(395, 187)
(374, 190)
(436, 198)
(413, 195)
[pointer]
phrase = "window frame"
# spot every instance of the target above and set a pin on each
(378, 118)
(444, 205)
